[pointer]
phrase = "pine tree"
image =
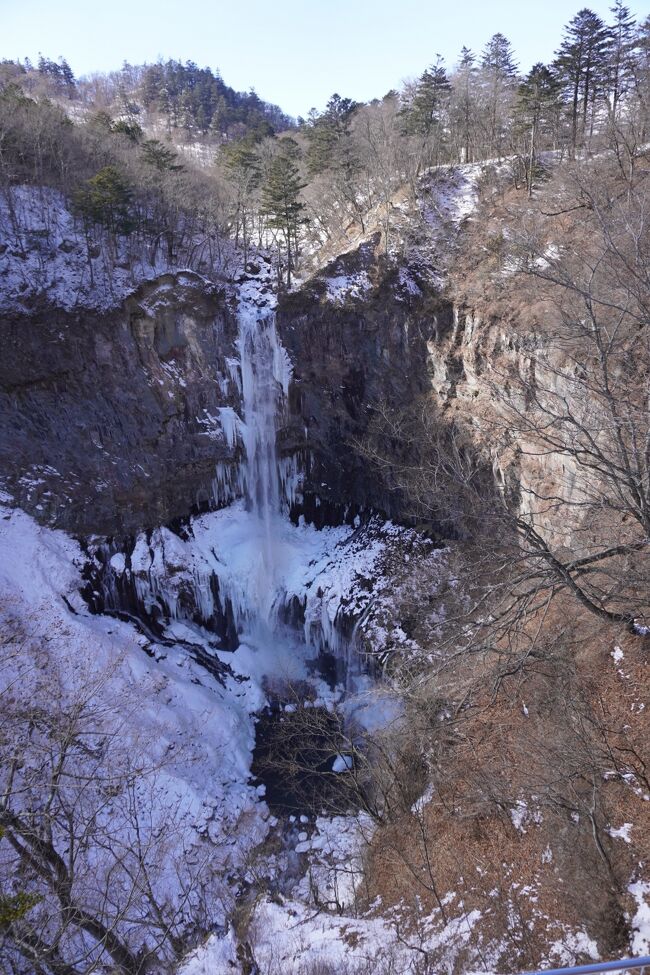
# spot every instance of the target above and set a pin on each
(14, 907)
(131, 130)
(240, 157)
(641, 78)
(620, 66)
(580, 64)
(290, 148)
(498, 57)
(423, 116)
(66, 75)
(197, 99)
(60, 74)
(499, 70)
(464, 108)
(281, 204)
(424, 112)
(107, 199)
(161, 157)
(242, 166)
(643, 41)
(327, 133)
(537, 106)
(467, 58)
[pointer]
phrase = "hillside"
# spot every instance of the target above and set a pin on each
(325, 487)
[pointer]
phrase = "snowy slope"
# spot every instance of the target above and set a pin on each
(197, 732)
(45, 254)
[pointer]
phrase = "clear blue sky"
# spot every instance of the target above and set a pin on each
(293, 52)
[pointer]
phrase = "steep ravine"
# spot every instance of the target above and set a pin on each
(120, 423)
(201, 571)
(111, 420)
(175, 435)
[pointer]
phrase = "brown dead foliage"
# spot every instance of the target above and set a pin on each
(542, 765)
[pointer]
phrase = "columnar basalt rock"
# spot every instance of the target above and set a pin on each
(485, 374)
(115, 422)
(111, 420)
(349, 356)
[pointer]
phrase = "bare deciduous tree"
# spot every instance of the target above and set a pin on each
(98, 867)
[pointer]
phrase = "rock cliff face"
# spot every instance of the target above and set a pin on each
(113, 421)
(110, 420)
(490, 377)
(353, 348)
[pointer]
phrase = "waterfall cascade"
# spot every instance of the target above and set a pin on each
(265, 376)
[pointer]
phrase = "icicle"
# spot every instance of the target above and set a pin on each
(230, 424)
(234, 372)
(290, 480)
(241, 564)
(228, 483)
(265, 378)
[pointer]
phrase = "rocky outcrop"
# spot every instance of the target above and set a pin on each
(358, 336)
(110, 420)
(113, 421)
(490, 377)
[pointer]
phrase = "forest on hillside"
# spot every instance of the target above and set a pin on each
(168, 151)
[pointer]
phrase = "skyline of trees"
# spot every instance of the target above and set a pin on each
(596, 54)
(350, 158)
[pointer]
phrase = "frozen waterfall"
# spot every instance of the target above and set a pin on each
(246, 571)
(265, 377)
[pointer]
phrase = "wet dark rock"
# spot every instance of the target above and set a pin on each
(349, 357)
(103, 415)
(105, 424)
(294, 754)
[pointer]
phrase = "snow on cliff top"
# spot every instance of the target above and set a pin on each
(446, 198)
(450, 194)
(45, 254)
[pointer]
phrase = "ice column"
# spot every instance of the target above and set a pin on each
(265, 373)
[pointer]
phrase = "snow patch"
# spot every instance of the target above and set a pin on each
(47, 255)
(343, 287)
(640, 943)
(621, 832)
